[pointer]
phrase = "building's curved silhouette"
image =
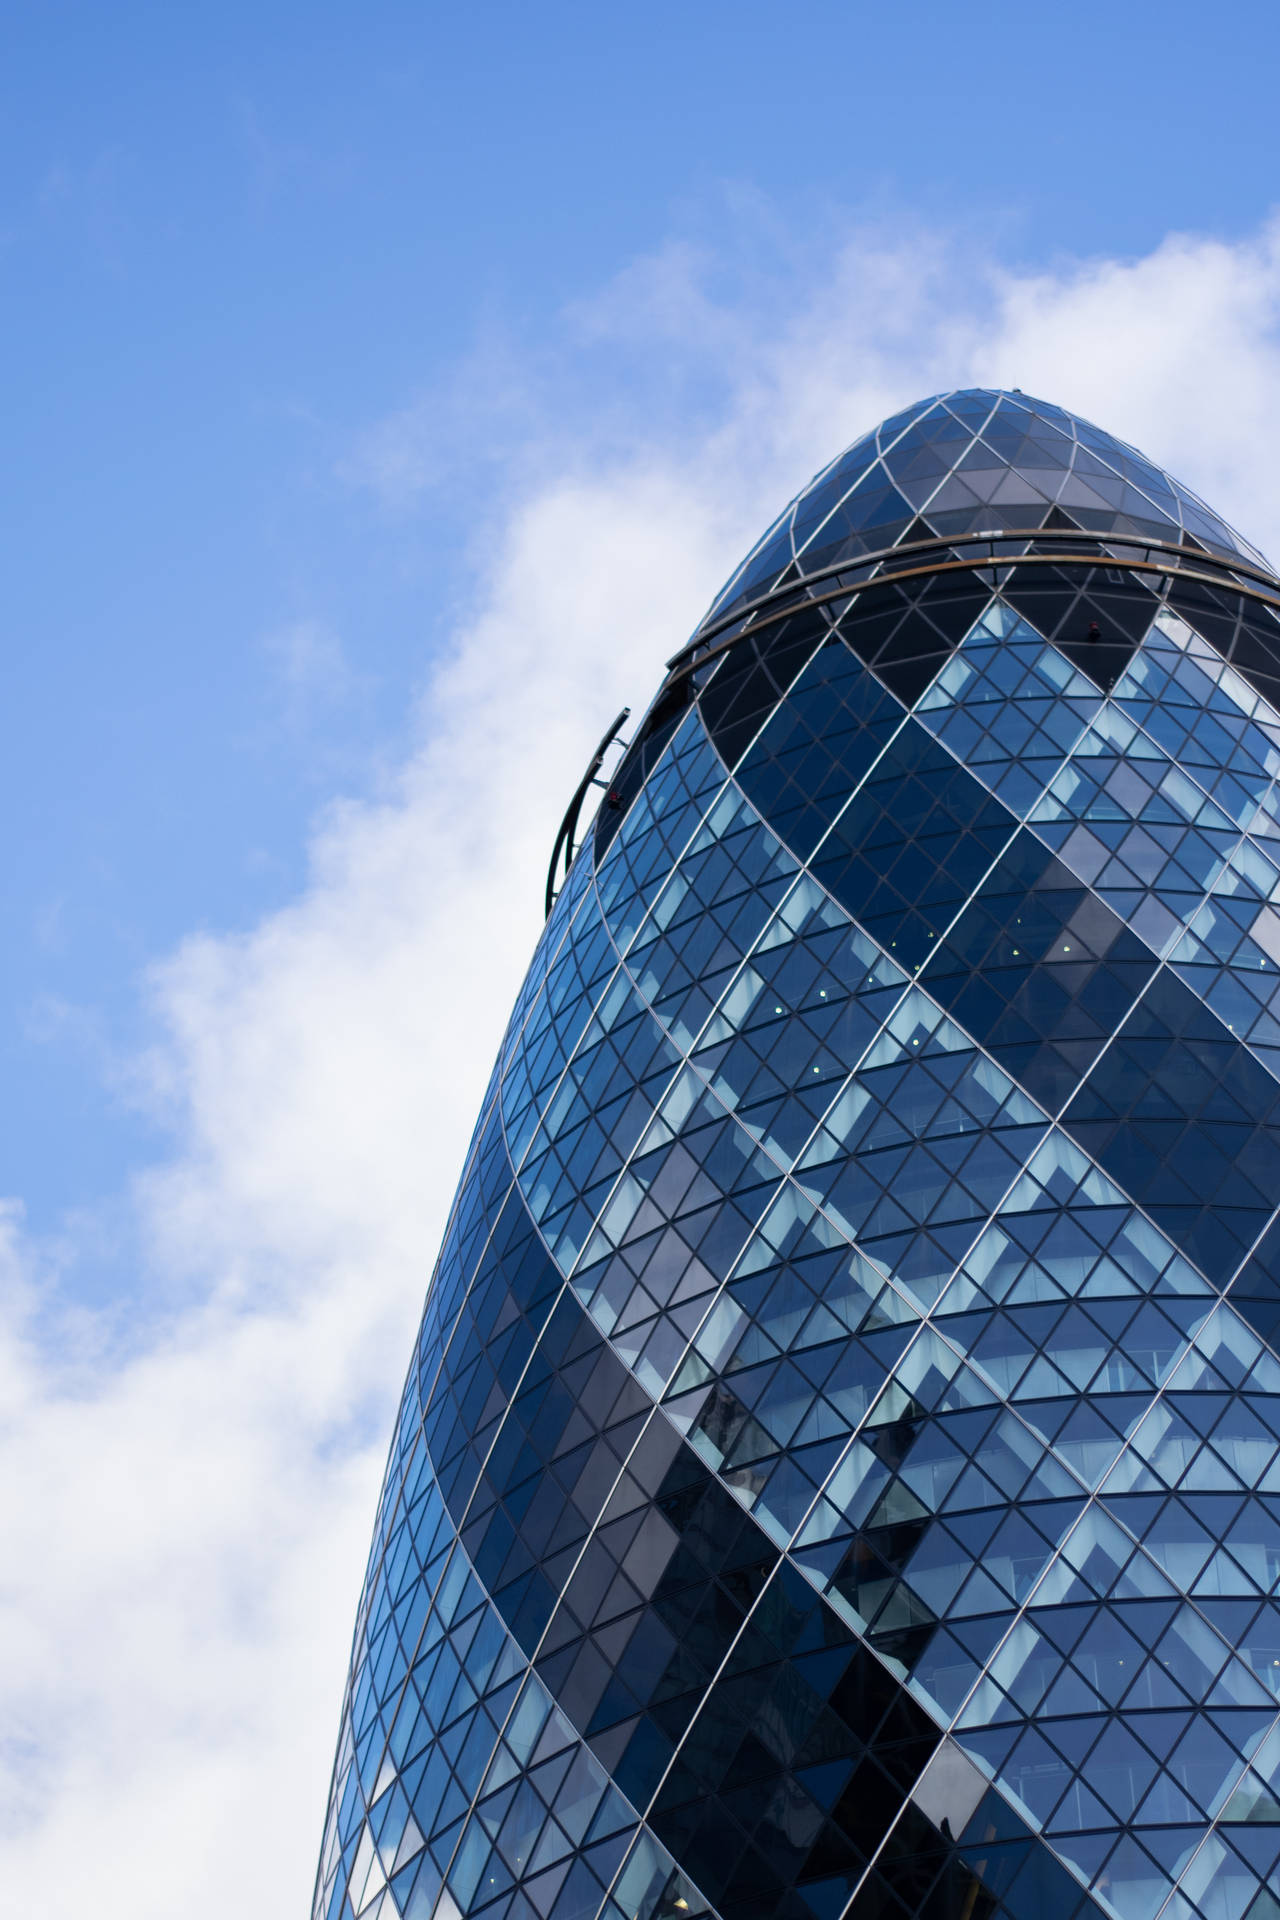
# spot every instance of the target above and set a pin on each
(839, 1472)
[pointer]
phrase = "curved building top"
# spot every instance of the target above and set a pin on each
(970, 462)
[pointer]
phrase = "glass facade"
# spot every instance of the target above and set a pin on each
(839, 1469)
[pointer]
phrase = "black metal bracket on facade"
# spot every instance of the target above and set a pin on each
(566, 844)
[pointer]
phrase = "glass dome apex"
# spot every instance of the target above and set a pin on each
(976, 460)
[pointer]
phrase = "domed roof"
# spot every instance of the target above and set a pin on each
(973, 461)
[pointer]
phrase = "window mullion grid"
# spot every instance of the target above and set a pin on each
(926, 1318)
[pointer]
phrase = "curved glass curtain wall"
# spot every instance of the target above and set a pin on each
(839, 1471)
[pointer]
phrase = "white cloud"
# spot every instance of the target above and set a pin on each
(185, 1503)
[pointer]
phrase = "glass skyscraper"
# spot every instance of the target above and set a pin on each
(839, 1469)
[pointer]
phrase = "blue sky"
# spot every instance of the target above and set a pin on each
(389, 390)
(235, 238)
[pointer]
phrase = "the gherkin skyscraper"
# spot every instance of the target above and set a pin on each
(839, 1470)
